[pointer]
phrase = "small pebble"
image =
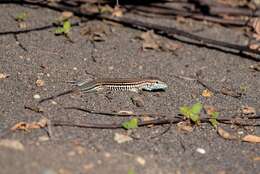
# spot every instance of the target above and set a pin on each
(201, 151)
(140, 160)
(36, 96)
(54, 102)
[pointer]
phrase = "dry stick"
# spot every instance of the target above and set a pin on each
(17, 32)
(162, 30)
(142, 123)
(114, 113)
(172, 12)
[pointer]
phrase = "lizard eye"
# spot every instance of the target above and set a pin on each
(157, 82)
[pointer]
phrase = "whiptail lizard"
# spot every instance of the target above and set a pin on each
(121, 84)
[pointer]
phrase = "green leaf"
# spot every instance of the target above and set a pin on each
(185, 111)
(130, 172)
(59, 31)
(196, 108)
(21, 16)
(192, 112)
(130, 124)
(66, 27)
(213, 119)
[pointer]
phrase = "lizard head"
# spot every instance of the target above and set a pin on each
(155, 84)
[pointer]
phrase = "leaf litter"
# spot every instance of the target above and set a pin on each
(95, 31)
(155, 42)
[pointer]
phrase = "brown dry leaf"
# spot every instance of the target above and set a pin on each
(89, 8)
(255, 67)
(153, 41)
(12, 144)
(33, 125)
(255, 23)
(254, 46)
(66, 15)
(226, 135)
(209, 109)
(22, 25)
(184, 126)
(247, 110)
(39, 83)
(257, 158)
(95, 31)
(3, 76)
(207, 93)
(251, 139)
(170, 46)
(147, 118)
(118, 12)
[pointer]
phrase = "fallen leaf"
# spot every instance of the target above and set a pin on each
(65, 15)
(3, 76)
(148, 118)
(39, 83)
(12, 144)
(224, 134)
(89, 8)
(255, 24)
(207, 93)
(130, 124)
(121, 138)
(95, 31)
(254, 46)
(255, 67)
(251, 139)
(33, 125)
(209, 109)
(184, 126)
(153, 41)
(170, 46)
(257, 158)
(150, 40)
(247, 110)
(118, 12)
(22, 25)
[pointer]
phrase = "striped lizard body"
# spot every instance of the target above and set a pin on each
(120, 84)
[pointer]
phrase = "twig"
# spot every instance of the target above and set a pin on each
(19, 43)
(114, 113)
(159, 29)
(17, 32)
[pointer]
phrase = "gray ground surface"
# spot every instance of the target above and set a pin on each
(76, 150)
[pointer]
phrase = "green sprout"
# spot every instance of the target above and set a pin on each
(192, 112)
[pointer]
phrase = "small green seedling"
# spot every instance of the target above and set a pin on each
(192, 112)
(130, 124)
(130, 171)
(65, 29)
(213, 119)
(21, 17)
